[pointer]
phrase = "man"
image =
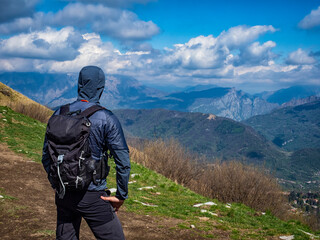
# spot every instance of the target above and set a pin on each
(93, 204)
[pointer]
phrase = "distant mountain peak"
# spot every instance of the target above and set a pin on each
(127, 92)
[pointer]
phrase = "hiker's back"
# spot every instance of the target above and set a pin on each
(73, 163)
(100, 131)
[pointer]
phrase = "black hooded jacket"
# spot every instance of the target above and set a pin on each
(106, 130)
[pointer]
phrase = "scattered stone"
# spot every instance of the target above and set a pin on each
(192, 226)
(4, 120)
(142, 188)
(207, 203)
(145, 204)
(228, 205)
(204, 218)
(132, 182)
(1, 196)
(205, 211)
(287, 237)
(134, 174)
(146, 198)
(259, 214)
(309, 234)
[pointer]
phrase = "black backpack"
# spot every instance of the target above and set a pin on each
(72, 167)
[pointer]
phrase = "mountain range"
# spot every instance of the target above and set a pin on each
(286, 141)
(123, 92)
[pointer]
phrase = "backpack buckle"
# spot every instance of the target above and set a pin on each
(60, 159)
(81, 159)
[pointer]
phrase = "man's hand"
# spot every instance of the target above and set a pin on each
(114, 201)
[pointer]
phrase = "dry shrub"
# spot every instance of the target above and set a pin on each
(313, 221)
(169, 159)
(236, 182)
(228, 181)
(33, 110)
(22, 104)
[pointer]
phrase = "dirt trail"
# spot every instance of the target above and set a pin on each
(32, 214)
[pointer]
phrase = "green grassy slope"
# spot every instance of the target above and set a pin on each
(167, 199)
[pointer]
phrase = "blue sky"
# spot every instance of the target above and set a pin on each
(252, 45)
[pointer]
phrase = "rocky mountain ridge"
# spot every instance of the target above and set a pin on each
(123, 92)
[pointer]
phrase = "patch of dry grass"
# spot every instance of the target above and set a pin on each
(22, 104)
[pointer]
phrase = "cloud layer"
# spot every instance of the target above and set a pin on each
(116, 3)
(11, 9)
(117, 23)
(234, 57)
(75, 36)
(50, 44)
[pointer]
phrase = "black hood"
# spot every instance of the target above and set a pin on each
(91, 84)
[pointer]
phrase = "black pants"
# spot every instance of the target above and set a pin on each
(99, 215)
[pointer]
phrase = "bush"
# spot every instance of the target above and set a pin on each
(227, 181)
(236, 182)
(168, 159)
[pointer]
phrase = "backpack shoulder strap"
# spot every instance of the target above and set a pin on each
(91, 110)
(64, 109)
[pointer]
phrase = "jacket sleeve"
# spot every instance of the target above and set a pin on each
(118, 147)
(121, 158)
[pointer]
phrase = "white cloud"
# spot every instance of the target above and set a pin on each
(49, 44)
(199, 52)
(311, 20)
(127, 26)
(117, 23)
(210, 52)
(93, 52)
(300, 57)
(11, 9)
(256, 54)
(239, 36)
(117, 3)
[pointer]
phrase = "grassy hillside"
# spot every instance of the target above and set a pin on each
(216, 137)
(152, 194)
(22, 104)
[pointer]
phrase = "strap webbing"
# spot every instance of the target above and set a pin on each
(64, 109)
(91, 110)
